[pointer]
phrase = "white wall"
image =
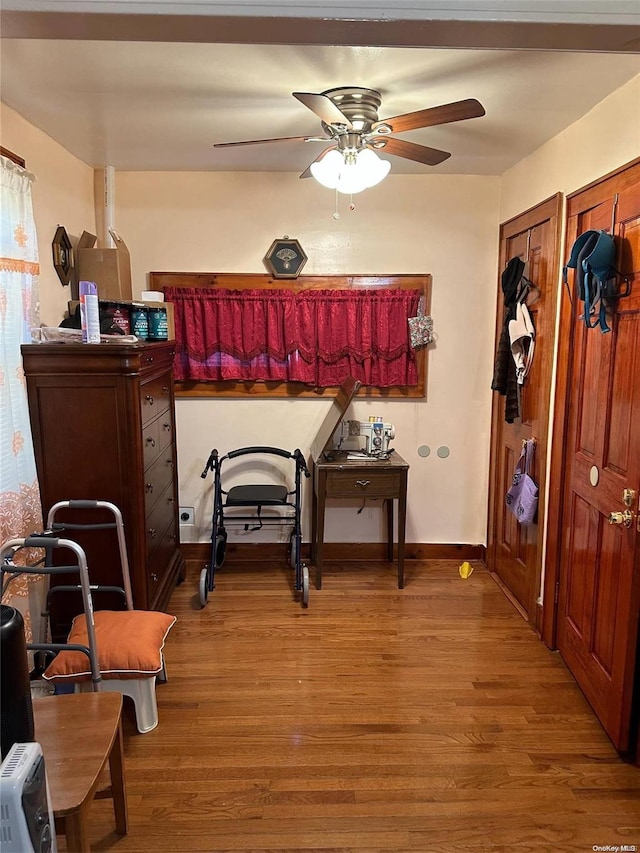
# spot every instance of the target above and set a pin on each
(62, 195)
(604, 139)
(443, 225)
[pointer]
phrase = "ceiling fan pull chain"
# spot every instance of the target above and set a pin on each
(352, 204)
(336, 212)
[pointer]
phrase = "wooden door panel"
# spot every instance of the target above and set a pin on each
(577, 593)
(514, 552)
(511, 557)
(606, 602)
(599, 590)
(619, 436)
(590, 376)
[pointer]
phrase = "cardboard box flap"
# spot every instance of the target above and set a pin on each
(87, 241)
(121, 246)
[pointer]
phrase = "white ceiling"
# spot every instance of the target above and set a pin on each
(151, 105)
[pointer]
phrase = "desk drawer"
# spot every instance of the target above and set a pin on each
(357, 484)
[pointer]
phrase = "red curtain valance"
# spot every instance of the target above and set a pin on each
(318, 337)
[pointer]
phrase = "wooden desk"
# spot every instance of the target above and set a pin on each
(79, 733)
(362, 478)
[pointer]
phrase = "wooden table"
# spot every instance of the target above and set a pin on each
(338, 477)
(79, 733)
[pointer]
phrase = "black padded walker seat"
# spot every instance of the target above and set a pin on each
(257, 495)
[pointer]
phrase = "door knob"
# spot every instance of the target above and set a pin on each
(625, 518)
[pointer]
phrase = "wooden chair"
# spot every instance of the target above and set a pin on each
(79, 734)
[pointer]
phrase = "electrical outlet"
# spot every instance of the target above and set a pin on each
(187, 515)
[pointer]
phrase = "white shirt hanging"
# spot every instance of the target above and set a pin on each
(522, 337)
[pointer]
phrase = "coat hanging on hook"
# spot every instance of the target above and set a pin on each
(504, 373)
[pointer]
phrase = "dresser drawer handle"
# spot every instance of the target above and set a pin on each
(151, 441)
(152, 532)
(149, 488)
(154, 577)
(165, 390)
(167, 427)
(363, 483)
(170, 463)
(149, 399)
(149, 359)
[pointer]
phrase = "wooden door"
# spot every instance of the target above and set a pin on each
(599, 574)
(514, 552)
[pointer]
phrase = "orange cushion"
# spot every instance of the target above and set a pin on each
(129, 645)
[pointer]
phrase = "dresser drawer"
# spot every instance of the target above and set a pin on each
(150, 443)
(161, 517)
(157, 477)
(159, 561)
(357, 484)
(155, 397)
(165, 429)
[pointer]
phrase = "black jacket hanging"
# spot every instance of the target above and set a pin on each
(504, 372)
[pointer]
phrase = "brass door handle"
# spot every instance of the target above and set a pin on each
(625, 518)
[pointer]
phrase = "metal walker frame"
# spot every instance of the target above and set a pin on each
(256, 496)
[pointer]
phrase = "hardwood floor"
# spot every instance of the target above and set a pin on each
(428, 719)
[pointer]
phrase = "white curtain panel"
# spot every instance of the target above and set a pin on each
(20, 513)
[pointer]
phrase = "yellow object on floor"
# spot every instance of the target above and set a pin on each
(465, 570)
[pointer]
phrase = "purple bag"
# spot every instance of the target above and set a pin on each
(522, 497)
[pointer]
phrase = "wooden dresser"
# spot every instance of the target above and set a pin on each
(103, 424)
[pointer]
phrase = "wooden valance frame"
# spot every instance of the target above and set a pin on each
(249, 281)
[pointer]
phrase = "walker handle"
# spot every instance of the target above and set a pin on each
(211, 463)
(243, 451)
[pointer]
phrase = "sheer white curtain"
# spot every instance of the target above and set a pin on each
(20, 512)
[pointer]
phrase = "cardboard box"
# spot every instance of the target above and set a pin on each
(109, 268)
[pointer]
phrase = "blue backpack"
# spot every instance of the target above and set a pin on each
(592, 256)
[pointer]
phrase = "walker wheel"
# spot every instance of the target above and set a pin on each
(204, 587)
(221, 547)
(305, 586)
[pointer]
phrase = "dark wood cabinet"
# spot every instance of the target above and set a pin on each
(103, 424)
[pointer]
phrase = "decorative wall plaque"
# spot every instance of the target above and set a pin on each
(285, 258)
(62, 255)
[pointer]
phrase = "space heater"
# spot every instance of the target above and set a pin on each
(26, 817)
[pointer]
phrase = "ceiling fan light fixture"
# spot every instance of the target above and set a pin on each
(350, 172)
(327, 170)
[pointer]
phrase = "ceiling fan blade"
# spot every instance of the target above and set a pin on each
(323, 107)
(410, 151)
(277, 139)
(458, 111)
(307, 171)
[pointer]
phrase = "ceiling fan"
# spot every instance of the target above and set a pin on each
(349, 117)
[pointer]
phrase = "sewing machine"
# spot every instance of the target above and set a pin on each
(368, 438)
